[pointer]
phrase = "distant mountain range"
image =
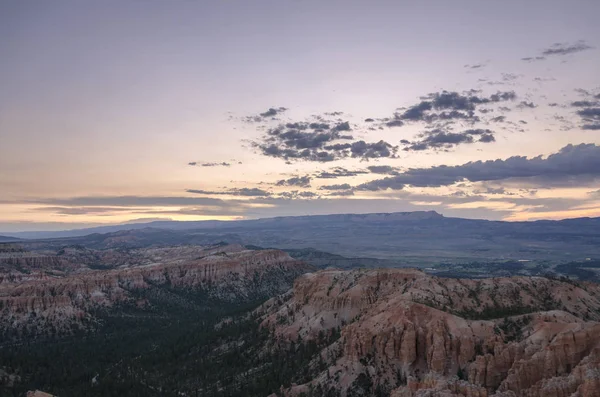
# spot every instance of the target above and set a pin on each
(409, 237)
(187, 225)
(7, 239)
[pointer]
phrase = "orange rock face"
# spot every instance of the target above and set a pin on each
(417, 335)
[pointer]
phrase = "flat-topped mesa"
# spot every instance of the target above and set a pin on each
(223, 274)
(413, 334)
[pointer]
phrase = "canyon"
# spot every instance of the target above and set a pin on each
(404, 333)
(58, 292)
(232, 320)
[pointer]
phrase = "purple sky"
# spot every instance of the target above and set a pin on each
(120, 110)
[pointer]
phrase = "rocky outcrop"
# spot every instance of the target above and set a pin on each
(37, 301)
(411, 334)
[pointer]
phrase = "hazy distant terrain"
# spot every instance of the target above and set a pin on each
(414, 238)
(6, 239)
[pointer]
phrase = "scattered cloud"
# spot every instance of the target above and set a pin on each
(588, 110)
(560, 49)
(566, 48)
(525, 104)
(475, 66)
(571, 165)
(338, 172)
(444, 140)
(222, 164)
(248, 192)
(300, 181)
(269, 114)
(320, 142)
(443, 109)
(383, 169)
(343, 186)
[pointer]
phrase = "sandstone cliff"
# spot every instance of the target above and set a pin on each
(38, 301)
(408, 334)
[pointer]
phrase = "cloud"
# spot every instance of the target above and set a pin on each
(318, 141)
(364, 150)
(560, 49)
(342, 193)
(222, 164)
(61, 210)
(566, 48)
(343, 186)
(383, 169)
(295, 194)
(591, 127)
(301, 181)
(302, 140)
(123, 201)
(269, 114)
(338, 172)
(571, 165)
(583, 104)
(525, 104)
(533, 59)
(589, 112)
(476, 66)
(448, 106)
(248, 192)
(439, 139)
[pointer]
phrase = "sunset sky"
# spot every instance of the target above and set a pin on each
(126, 111)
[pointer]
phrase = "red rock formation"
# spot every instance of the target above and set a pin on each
(402, 324)
(229, 273)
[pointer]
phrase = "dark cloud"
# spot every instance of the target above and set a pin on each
(345, 126)
(341, 193)
(272, 112)
(369, 120)
(591, 127)
(476, 66)
(394, 123)
(572, 165)
(525, 104)
(222, 164)
(301, 181)
(248, 192)
(295, 194)
(343, 186)
(533, 59)
(589, 112)
(448, 106)
(319, 142)
(566, 48)
(583, 104)
(364, 150)
(559, 49)
(338, 172)
(307, 141)
(439, 139)
(269, 114)
(498, 119)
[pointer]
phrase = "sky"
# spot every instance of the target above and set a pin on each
(130, 111)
